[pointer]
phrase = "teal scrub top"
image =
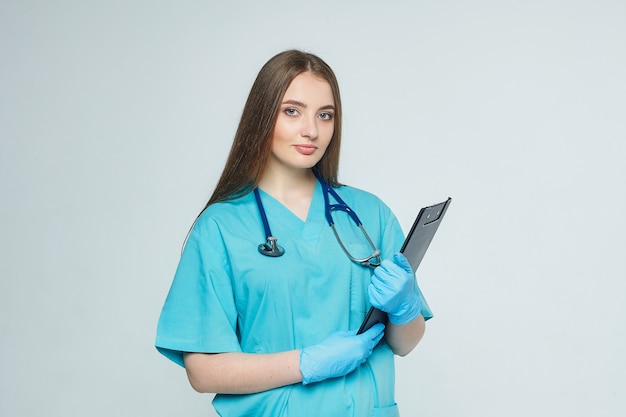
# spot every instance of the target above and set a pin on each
(227, 297)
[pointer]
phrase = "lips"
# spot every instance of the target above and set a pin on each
(305, 149)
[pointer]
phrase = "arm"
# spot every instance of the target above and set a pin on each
(242, 373)
(402, 338)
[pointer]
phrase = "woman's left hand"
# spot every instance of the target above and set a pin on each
(392, 290)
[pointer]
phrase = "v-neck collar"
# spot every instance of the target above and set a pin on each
(279, 216)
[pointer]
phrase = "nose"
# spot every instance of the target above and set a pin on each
(309, 128)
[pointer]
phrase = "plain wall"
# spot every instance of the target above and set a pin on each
(115, 121)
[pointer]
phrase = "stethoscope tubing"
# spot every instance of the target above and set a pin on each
(272, 249)
(328, 208)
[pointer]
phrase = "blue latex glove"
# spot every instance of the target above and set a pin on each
(339, 354)
(392, 290)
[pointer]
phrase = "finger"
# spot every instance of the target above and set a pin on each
(385, 277)
(377, 339)
(373, 332)
(400, 260)
(375, 296)
(385, 267)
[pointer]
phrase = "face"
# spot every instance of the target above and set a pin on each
(305, 123)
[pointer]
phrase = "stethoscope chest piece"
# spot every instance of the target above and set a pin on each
(271, 248)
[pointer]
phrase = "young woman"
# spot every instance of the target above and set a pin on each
(271, 327)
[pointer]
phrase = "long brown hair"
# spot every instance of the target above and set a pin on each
(251, 146)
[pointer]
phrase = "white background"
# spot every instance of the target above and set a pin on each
(115, 121)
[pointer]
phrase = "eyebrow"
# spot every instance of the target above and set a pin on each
(301, 104)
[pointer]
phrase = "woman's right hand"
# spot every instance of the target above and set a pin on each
(339, 354)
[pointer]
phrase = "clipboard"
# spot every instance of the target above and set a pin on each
(414, 248)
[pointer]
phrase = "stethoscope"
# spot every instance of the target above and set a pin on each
(272, 249)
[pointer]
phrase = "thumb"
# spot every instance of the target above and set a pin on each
(374, 332)
(400, 260)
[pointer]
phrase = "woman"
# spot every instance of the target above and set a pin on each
(275, 335)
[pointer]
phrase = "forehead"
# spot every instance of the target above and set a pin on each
(309, 88)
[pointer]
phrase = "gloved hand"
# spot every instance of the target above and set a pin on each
(392, 290)
(339, 354)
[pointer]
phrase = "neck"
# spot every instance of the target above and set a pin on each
(287, 182)
(294, 189)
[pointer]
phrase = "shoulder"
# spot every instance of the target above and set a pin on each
(227, 209)
(361, 198)
(226, 213)
(366, 205)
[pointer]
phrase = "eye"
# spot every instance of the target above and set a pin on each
(326, 116)
(290, 111)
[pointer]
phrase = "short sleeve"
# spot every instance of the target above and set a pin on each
(199, 314)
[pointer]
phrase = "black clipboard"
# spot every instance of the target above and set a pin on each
(414, 248)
